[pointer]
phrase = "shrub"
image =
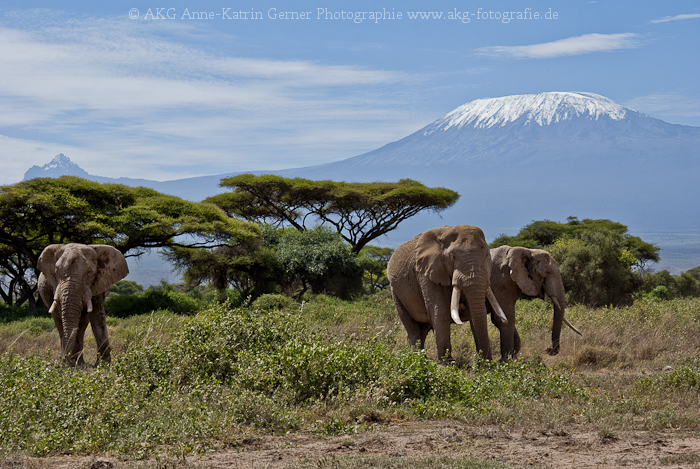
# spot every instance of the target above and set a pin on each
(245, 367)
(14, 313)
(272, 301)
(125, 287)
(660, 293)
(596, 269)
(677, 286)
(320, 259)
(154, 298)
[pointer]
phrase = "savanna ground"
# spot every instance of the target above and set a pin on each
(331, 384)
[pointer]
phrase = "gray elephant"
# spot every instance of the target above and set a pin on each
(432, 274)
(73, 283)
(533, 272)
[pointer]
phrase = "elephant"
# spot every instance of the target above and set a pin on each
(73, 283)
(533, 272)
(435, 272)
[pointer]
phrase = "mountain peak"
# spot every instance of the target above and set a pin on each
(540, 109)
(60, 161)
(59, 166)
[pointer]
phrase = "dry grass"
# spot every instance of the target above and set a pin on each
(648, 335)
(38, 336)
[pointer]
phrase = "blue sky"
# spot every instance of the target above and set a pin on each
(145, 89)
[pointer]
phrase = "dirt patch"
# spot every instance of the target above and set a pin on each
(569, 447)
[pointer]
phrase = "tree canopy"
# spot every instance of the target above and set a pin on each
(540, 234)
(596, 268)
(595, 257)
(43, 211)
(287, 260)
(359, 212)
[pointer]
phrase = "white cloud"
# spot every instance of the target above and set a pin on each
(673, 104)
(578, 45)
(124, 101)
(687, 16)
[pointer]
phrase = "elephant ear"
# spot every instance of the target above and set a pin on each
(520, 262)
(47, 263)
(111, 267)
(430, 260)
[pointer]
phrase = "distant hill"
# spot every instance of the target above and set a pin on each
(520, 158)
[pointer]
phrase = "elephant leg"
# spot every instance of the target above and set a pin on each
(437, 304)
(508, 340)
(443, 341)
(413, 327)
(424, 329)
(98, 322)
(59, 326)
(76, 356)
(502, 332)
(516, 343)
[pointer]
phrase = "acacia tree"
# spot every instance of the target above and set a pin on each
(600, 262)
(540, 234)
(359, 212)
(43, 211)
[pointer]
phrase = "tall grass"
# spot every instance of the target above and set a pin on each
(181, 385)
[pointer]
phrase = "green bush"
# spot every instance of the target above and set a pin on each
(15, 313)
(321, 260)
(677, 286)
(660, 293)
(154, 298)
(272, 301)
(596, 269)
(125, 287)
(685, 376)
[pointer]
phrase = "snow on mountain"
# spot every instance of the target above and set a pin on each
(541, 109)
(59, 166)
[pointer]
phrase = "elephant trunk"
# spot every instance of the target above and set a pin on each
(475, 287)
(71, 298)
(556, 326)
(479, 323)
(555, 289)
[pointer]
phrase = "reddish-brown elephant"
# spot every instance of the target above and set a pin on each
(533, 272)
(432, 274)
(73, 283)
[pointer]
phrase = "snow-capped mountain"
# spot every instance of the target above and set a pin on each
(518, 130)
(59, 166)
(529, 109)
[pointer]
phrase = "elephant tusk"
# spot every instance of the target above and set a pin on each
(556, 302)
(566, 321)
(53, 307)
(89, 305)
(454, 305)
(496, 307)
